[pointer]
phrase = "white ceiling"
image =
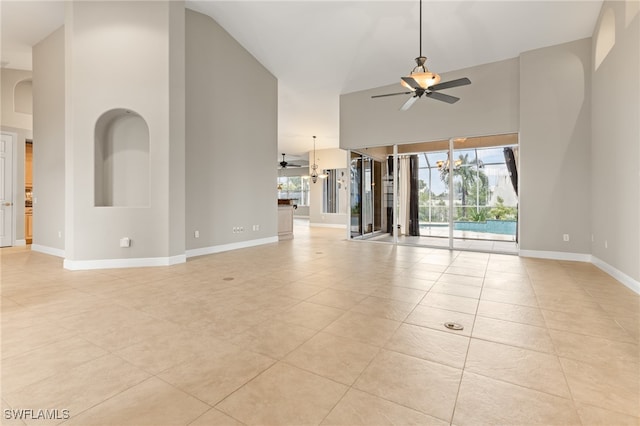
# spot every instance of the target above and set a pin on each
(24, 24)
(320, 49)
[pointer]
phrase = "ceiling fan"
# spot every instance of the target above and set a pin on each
(421, 82)
(284, 164)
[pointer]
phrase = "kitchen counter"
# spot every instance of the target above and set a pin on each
(285, 221)
(28, 224)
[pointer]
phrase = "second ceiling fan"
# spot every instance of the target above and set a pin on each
(284, 163)
(422, 82)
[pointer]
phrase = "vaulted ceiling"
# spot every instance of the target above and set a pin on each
(321, 49)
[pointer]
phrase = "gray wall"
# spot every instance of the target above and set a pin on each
(118, 55)
(615, 153)
(490, 105)
(231, 139)
(227, 132)
(49, 142)
(177, 130)
(555, 115)
(543, 94)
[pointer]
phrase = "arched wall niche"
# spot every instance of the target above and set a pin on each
(121, 159)
(23, 97)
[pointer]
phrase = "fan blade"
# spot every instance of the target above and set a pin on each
(409, 102)
(286, 165)
(411, 82)
(448, 84)
(391, 94)
(442, 97)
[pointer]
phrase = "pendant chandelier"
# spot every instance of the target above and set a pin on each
(314, 166)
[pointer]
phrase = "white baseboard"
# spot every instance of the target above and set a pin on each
(625, 279)
(84, 265)
(20, 243)
(228, 247)
(556, 255)
(328, 225)
(617, 274)
(47, 250)
(81, 265)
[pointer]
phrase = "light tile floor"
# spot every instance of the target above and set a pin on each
(320, 330)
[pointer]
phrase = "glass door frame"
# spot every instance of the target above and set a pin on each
(451, 165)
(373, 188)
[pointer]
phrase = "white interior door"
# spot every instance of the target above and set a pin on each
(6, 190)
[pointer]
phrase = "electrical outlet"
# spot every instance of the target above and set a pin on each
(59, 234)
(606, 244)
(565, 237)
(125, 242)
(196, 234)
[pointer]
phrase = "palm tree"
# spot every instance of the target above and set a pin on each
(468, 176)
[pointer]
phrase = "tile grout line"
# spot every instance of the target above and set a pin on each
(379, 350)
(464, 365)
(403, 321)
(555, 350)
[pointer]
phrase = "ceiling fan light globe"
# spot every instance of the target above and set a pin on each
(424, 79)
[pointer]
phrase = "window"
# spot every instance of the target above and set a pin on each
(334, 195)
(294, 188)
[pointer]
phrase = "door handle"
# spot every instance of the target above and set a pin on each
(8, 204)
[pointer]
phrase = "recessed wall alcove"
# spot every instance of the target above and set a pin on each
(121, 159)
(23, 97)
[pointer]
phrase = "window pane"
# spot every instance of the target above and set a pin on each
(294, 188)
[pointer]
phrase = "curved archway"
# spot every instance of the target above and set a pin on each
(121, 159)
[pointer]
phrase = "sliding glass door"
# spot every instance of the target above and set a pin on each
(355, 172)
(458, 193)
(434, 199)
(485, 198)
(366, 196)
